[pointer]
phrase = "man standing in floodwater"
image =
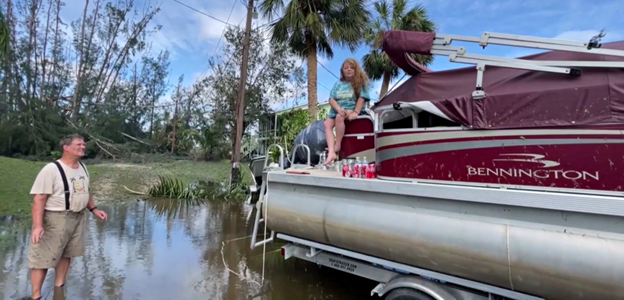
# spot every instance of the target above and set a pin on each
(61, 194)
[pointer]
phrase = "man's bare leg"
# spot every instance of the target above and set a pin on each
(36, 280)
(61, 270)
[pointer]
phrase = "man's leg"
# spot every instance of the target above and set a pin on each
(74, 248)
(36, 280)
(47, 252)
(60, 271)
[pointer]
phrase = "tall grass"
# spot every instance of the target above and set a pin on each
(173, 188)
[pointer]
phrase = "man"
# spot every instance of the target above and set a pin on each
(61, 194)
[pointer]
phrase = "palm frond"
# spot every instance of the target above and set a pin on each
(400, 16)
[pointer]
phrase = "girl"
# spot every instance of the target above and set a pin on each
(346, 99)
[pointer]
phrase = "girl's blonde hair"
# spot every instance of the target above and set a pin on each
(359, 79)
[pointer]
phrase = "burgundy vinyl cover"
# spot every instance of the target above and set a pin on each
(514, 98)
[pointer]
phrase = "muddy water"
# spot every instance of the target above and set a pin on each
(157, 250)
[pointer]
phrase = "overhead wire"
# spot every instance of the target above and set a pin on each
(203, 13)
(239, 24)
(220, 37)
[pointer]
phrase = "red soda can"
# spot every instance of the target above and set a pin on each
(370, 171)
(356, 170)
(345, 168)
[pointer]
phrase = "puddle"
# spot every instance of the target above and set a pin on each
(157, 250)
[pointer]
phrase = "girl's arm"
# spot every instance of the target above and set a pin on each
(358, 105)
(332, 100)
(364, 96)
(334, 104)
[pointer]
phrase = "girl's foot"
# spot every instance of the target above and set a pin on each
(330, 158)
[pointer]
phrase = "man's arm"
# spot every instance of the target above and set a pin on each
(41, 190)
(39, 201)
(91, 205)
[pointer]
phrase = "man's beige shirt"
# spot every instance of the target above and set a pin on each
(49, 182)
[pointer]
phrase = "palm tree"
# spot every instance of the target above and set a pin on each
(376, 63)
(310, 27)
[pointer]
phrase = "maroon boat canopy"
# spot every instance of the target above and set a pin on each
(514, 98)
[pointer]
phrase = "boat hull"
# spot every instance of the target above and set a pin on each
(554, 254)
(579, 158)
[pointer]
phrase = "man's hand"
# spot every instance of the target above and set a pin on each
(100, 214)
(36, 234)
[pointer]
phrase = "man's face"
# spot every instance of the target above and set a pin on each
(76, 148)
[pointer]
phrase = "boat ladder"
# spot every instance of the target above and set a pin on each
(261, 208)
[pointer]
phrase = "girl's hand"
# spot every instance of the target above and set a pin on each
(352, 116)
(342, 112)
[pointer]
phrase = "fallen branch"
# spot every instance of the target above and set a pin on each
(102, 148)
(135, 139)
(97, 140)
(134, 192)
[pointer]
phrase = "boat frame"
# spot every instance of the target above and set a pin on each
(442, 46)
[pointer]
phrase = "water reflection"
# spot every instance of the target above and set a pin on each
(158, 250)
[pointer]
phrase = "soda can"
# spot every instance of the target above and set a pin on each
(351, 165)
(356, 170)
(370, 171)
(345, 168)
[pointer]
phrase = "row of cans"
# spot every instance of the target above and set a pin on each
(357, 169)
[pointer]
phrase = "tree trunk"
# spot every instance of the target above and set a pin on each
(44, 55)
(79, 64)
(384, 84)
(312, 102)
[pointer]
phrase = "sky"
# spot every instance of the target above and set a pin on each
(193, 37)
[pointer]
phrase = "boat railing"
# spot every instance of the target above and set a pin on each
(294, 152)
(381, 116)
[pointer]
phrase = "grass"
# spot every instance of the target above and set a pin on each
(107, 179)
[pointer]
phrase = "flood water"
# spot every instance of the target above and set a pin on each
(157, 250)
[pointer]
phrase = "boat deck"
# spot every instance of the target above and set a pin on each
(318, 172)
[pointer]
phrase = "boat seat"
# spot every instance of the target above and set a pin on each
(361, 125)
(359, 138)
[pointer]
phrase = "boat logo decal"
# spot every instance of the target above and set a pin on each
(536, 158)
(542, 170)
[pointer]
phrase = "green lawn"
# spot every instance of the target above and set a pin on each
(107, 179)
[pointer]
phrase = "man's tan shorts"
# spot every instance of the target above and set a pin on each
(63, 236)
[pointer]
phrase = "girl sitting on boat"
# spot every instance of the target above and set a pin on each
(346, 99)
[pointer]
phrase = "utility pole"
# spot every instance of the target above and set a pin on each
(175, 120)
(240, 102)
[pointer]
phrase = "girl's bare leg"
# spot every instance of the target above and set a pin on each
(329, 136)
(340, 130)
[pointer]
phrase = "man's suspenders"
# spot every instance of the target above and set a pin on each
(65, 183)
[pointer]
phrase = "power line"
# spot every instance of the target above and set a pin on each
(203, 13)
(326, 69)
(223, 31)
(222, 34)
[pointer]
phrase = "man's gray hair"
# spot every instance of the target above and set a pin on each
(68, 139)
